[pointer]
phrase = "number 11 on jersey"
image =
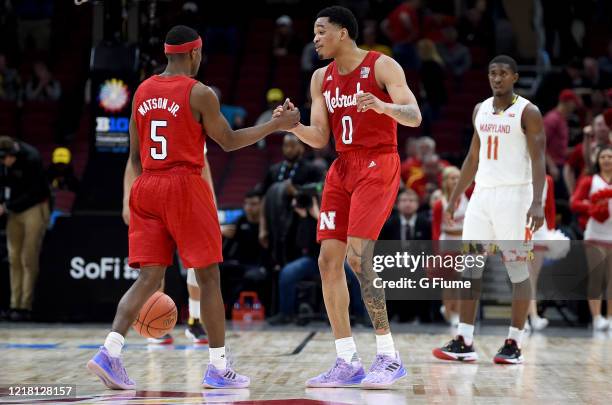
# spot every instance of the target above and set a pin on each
(492, 143)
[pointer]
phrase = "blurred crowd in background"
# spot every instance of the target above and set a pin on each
(254, 61)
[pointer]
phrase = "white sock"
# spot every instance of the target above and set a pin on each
(346, 348)
(194, 309)
(217, 357)
(384, 345)
(516, 334)
(114, 343)
(467, 331)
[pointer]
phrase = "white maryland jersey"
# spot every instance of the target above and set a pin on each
(504, 158)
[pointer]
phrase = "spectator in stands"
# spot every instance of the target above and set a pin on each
(274, 97)
(554, 82)
(34, 22)
(235, 115)
(542, 238)
(60, 173)
(302, 253)
(279, 187)
(433, 91)
(10, 84)
(605, 62)
(596, 135)
(593, 197)
(406, 224)
(245, 260)
(27, 209)
(403, 28)
(475, 27)
(557, 137)
(455, 55)
(417, 150)
(442, 230)
(42, 86)
(411, 149)
(428, 180)
(284, 41)
(594, 78)
(370, 43)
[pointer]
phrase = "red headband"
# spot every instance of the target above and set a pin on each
(183, 48)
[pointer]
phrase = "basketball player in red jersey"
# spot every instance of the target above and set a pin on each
(171, 206)
(360, 96)
(194, 331)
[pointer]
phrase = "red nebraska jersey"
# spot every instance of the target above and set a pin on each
(168, 133)
(355, 130)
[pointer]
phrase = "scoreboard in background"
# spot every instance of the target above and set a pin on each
(112, 115)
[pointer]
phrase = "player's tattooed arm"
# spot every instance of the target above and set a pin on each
(407, 114)
(404, 108)
(373, 298)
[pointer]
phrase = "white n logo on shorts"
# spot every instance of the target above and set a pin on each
(327, 221)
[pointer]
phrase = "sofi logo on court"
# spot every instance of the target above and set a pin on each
(108, 267)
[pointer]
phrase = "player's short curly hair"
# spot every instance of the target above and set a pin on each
(342, 17)
(180, 34)
(505, 60)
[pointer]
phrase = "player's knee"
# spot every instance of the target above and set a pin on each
(354, 263)
(208, 276)
(329, 269)
(517, 271)
(326, 262)
(151, 278)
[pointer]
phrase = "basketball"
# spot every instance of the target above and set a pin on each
(157, 316)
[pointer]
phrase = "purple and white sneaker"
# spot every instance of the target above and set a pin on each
(228, 378)
(342, 374)
(384, 372)
(110, 370)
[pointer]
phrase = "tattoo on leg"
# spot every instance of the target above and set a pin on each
(373, 298)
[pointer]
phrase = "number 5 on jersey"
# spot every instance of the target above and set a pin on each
(155, 154)
(492, 143)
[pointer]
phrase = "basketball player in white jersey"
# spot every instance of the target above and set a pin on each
(507, 161)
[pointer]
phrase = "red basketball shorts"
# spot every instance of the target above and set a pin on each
(360, 191)
(169, 210)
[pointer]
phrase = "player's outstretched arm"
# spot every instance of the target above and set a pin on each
(536, 144)
(133, 169)
(205, 101)
(316, 134)
(404, 108)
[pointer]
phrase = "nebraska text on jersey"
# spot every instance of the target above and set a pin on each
(340, 100)
(157, 103)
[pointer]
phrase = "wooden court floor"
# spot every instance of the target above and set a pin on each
(562, 366)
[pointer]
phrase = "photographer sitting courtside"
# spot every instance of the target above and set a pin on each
(279, 187)
(302, 251)
(26, 203)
